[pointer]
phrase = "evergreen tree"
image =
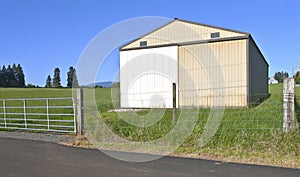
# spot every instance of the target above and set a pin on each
(75, 80)
(48, 82)
(15, 81)
(12, 76)
(1, 79)
(56, 78)
(3, 68)
(21, 76)
(72, 78)
(11, 80)
(2, 76)
(5, 77)
(14, 68)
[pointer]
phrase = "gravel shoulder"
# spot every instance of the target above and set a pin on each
(48, 137)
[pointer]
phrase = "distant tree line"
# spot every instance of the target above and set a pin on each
(280, 76)
(12, 76)
(72, 80)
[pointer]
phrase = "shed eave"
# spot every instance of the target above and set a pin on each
(190, 43)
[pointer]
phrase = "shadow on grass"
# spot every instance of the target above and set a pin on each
(257, 101)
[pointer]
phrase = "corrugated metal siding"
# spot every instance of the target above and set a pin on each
(179, 31)
(146, 77)
(258, 73)
(210, 71)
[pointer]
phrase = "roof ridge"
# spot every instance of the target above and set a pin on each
(185, 21)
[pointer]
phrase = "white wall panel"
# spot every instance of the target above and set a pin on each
(146, 77)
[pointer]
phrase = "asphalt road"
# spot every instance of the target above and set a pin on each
(36, 159)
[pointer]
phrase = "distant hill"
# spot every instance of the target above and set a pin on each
(107, 84)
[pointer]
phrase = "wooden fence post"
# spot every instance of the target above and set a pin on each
(288, 104)
(174, 103)
(80, 115)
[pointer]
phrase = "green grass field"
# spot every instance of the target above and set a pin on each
(34, 93)
(246, 134)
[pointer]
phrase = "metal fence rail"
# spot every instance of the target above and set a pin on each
(38, 114)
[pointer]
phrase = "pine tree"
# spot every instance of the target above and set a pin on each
(72, 78)
(1, 79)
(48, 82)
(75, 80)
(14, 68)
(21, 76)
(56, 78)
(15, 80)
(2, 76)
(11, 80)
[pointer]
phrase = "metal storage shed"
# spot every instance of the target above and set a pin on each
(211, 66)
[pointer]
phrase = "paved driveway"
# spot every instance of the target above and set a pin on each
(36, 159)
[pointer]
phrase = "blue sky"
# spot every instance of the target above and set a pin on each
(44, 34)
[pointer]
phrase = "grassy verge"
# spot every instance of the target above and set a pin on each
(250, 135)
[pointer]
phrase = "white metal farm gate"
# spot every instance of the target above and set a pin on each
(38, 114)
